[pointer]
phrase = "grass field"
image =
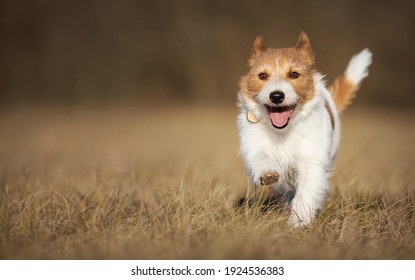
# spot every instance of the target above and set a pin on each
(136, 183)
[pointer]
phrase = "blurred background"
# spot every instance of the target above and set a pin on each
(72, 52)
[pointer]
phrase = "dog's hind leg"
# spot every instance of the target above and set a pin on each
(311, 190)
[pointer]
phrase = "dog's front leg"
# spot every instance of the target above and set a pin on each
(312, 186)
(256, 151)
(262, 169)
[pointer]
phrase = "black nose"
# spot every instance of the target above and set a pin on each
(276, 97)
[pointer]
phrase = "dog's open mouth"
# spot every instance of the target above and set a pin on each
(280, 116)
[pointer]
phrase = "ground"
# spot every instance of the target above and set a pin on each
(162, 183)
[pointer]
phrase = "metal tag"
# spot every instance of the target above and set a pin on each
(251, 117)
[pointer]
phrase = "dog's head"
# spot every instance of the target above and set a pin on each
(280, 81)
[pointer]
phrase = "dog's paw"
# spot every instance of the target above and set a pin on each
(269, 178)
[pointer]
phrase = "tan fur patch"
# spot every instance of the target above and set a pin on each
(343, 91)
(330, 112)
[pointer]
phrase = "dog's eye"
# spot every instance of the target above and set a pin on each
(263, 76)
(294, 75)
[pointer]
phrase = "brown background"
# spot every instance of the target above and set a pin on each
(82, 52)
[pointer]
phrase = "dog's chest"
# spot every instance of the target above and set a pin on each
(285, 149)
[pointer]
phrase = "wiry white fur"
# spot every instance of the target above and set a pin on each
(301, 153)
(357, 69)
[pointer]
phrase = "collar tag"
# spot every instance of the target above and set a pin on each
(251, 117)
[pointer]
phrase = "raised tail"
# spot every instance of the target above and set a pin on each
(344, 87)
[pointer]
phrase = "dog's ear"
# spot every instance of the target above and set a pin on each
(259, 46)
(304, 45)
(257, 49)
(303, 42)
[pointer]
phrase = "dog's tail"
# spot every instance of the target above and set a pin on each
(344, 87)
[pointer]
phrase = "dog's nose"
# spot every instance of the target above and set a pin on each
(276, 97)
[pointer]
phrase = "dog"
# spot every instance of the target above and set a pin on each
(288, 122)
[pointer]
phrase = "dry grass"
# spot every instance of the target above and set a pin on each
(143, 183)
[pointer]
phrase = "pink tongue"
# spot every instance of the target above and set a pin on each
(280, 119)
